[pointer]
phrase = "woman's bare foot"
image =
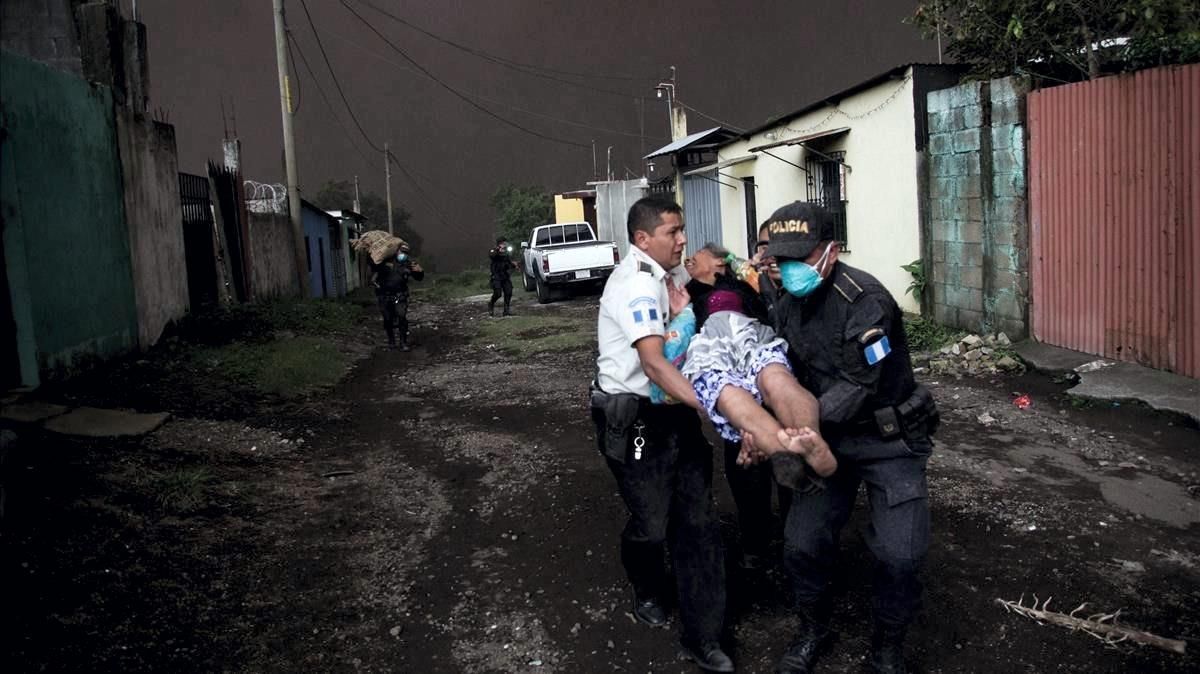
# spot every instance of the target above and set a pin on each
(809, 444)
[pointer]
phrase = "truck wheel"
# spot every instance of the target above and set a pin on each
(543, 291)
(527, 282)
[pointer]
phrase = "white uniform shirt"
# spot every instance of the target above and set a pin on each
(634, 305)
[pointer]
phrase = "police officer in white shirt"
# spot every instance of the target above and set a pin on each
(661, 461)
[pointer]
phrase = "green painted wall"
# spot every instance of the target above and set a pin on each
(65, 240)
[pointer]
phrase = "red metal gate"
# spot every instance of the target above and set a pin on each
(1114, 206)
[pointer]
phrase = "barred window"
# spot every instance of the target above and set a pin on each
(827, 186)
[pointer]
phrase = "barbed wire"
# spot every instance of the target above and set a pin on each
(265, 197)
(837, 110)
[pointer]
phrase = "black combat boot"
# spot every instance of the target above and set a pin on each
(802, 653)
(707, 655)
(647, 608)
(887, 649)
(507, 311)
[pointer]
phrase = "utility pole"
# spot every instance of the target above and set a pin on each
(357, 200)
(387, 173)
(608, 165)
(289, 151)
(678, 121)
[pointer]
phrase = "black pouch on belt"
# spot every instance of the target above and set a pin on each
(614, 414)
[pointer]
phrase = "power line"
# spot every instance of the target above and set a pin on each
(456, 92)
(500, 60)
(366, 159)
(493, 101)
(337, 84)
(727, 125)
(328, 104)
(543, 73)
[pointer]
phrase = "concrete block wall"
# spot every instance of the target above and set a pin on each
(42, 30)
(976, 230)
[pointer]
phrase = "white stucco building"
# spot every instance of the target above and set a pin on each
(860, 152)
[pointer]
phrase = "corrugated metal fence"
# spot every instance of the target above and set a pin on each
(1114, 211)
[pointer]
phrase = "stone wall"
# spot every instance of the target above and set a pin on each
(977, 237)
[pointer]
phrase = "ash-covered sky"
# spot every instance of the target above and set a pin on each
(742, 62)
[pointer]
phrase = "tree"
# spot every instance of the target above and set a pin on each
(520, 209)
(339, 195)
(1074, 39)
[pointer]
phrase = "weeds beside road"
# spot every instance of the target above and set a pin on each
(445, 510)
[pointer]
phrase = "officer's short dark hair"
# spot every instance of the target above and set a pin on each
(501, 239)
(646, 214)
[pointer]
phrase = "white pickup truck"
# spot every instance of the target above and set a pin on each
(563, 254)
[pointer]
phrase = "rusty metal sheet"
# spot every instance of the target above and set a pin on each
(1114, 206)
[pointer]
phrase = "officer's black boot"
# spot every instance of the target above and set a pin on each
(887, 649)
(647, 608)
(507, 310)
(492, 309)
(802, 653)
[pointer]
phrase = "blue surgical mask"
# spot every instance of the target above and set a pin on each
(800, 278)
(401, 257)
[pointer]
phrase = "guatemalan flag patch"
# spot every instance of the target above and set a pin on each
(877, 351)
(644, 309)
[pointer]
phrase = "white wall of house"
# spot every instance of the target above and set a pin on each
(882, 217)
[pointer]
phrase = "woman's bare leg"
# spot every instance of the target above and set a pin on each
(799, 412)
(745, 414)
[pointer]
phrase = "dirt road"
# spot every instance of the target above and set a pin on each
(444, 510)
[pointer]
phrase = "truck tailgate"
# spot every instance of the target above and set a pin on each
(572, 258)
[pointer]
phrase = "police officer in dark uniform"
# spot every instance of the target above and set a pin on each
(849, 348)
(502, 266)
(390, 279)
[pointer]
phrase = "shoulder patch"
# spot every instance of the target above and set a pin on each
(644, 309)
(645, 268)
(847, 287)
(869, 335)
(877, 351)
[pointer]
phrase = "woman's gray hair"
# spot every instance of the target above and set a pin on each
(716, 249)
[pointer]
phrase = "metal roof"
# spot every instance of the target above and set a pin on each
(720, 165)
(682, 143)
(802, 139)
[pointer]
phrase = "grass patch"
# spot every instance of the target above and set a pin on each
(523, 336)
(182, 489)
(285, 367)
(927, 335)
(223, 324)
(453, 286)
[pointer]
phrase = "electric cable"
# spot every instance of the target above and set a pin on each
(494, 101)
(499, 60)
(456, 92)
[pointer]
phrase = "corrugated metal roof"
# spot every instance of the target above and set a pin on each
(676, 146)
(720, 165)
(803, 139)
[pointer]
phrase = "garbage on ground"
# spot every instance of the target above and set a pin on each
(1023, 401)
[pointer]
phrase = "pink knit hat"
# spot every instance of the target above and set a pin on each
(723, 300)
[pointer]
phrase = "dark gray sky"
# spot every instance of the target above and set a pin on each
(740, 61)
